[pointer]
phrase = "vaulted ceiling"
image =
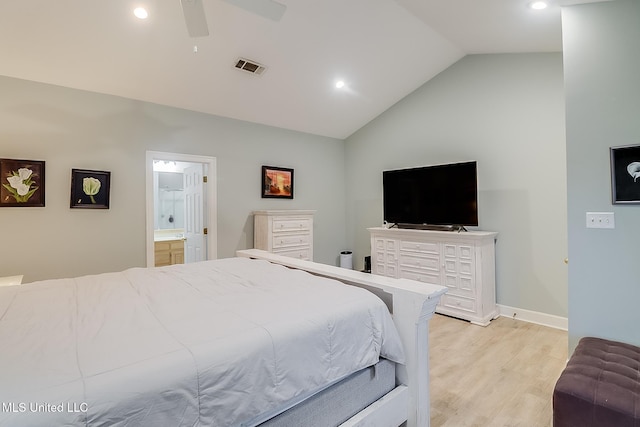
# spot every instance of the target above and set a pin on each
(382, 50)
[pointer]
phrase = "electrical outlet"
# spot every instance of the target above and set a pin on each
(601, 220)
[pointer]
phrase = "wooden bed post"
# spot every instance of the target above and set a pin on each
(412, 305)
(412, 318)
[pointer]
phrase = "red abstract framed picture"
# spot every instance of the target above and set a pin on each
(22, 183)
(277, 182)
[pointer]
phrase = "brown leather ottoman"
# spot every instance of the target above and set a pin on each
(600, 386)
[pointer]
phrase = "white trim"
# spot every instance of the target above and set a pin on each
(389, 410)
(211, 215)
(536, 317)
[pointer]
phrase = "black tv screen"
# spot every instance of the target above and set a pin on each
(431, 195)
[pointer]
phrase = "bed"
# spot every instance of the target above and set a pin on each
(233, 342)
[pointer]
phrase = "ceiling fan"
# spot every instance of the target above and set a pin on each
(196, 20)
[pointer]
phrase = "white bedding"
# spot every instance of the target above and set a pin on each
(217, 343)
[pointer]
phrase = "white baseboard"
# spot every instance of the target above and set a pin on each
(536, 317)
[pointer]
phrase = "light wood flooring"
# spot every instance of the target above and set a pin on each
(495, 376)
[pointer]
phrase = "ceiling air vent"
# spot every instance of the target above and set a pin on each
(250, 66)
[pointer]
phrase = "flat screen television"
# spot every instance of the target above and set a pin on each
(441, 195)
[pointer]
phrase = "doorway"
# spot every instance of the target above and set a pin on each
(181, 207)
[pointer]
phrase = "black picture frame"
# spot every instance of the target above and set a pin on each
(277, 182)
(625, 174)
(90, 189)
(22, 183)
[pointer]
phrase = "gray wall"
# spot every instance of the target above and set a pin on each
(506, 112)
(74, 129)
(602, 75)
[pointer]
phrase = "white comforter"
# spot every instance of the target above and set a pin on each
(218, 343)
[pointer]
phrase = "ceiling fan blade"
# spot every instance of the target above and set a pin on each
(266, 8)
(195, 18)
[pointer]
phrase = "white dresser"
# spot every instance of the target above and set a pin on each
(463, 262)
(285, 232)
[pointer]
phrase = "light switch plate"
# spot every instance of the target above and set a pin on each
(601, 220)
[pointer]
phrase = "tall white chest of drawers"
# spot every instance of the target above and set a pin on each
(463, 262)
(285, 232)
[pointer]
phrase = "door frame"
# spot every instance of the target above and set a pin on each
(210, 205)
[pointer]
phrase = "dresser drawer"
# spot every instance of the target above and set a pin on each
(432, 278)
(422, 263)
(458, 303)
(304, 253)
(422, 247)
(291, 224)
(281, 240)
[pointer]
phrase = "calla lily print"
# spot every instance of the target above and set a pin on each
(22, 183)
(90, 189)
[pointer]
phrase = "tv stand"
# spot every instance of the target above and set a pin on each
(463, 262)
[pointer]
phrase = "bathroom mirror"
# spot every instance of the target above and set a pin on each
(169, 209)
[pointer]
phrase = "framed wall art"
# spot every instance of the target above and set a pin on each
(90, 189)
(22, 183)
(625, 174)
(277, 182)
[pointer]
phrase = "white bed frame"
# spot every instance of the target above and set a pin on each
(412, 304)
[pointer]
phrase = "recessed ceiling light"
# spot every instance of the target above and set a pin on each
(141, 12)
(538, 5)
(340, 84)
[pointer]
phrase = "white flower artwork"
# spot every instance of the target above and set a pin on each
(90, 189)
(20, 183)
(634, 170)
(625, 174)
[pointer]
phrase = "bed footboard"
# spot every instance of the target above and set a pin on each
(412, 304)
